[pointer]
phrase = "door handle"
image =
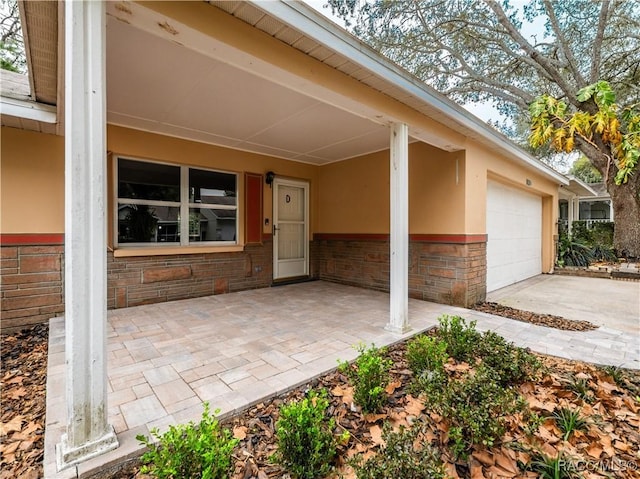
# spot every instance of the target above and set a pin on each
(275, 228)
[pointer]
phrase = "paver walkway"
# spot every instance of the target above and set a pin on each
(237, 349)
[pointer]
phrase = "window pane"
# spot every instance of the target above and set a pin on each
(212, 187)
(148, 224)
(212, 224)
(148, 181)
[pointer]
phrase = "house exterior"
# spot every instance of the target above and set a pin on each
(588, 202)
(170, 150)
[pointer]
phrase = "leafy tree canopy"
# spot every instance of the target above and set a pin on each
(12, 55)
(479, 51)
(584, 170)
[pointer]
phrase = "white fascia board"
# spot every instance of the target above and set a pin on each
(305, 19)
(29, 110)
(583, 185)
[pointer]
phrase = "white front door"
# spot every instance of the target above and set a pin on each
(290, 228)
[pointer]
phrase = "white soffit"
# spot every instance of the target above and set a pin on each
(161, 86)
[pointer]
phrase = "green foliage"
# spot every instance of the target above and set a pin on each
(581, 233)
(476, 407)
(602, 233)
(512, 365)
(580, 387)
(569, 421)
(426, 355)
(189, 451)
(586, 245)
(559, 467)
(461, 338)
(403, 456)
(603, 253)
(306, 444)
(532, 422)
(616, 373)
(12, 53)
(573, 253)
(585, 171)
(370, 376)
(618, 129)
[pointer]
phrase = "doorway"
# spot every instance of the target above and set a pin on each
(290, 229)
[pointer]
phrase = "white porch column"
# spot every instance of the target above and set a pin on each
(399, 224)
(88, 433)
(570, 213)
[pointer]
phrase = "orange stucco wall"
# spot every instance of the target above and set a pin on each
(483, 164)
(32, 182)
(447, 190)
(353, 195)
(32, 198)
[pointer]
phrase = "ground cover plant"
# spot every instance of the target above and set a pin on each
(189, 451)
(408, 436)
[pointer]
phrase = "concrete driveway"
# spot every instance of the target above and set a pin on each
(605, 302)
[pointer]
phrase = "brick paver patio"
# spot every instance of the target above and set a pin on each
(237, 349)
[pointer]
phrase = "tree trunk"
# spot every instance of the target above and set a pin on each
(626, 215)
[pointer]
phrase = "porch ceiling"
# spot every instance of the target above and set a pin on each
(161, 86)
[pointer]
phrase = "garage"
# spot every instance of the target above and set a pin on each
(514, 230)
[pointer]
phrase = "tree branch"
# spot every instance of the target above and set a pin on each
(569, 91)
(566, 51)
(596, 50)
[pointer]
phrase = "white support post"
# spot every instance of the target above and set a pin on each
(571, 214)
(88, 434)
(399, 224)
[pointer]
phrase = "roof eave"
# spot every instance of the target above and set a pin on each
(304, 18)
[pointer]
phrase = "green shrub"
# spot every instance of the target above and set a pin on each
(581, 232)
(602, 252)
(462, 340)
(602, 233)
(369, 375)
(512, 365)
(399, 458)
(189, 451)
(571, 252)
(306, 444)
(476, 407)
(426, 354)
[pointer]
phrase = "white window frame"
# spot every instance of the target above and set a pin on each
(183, 204)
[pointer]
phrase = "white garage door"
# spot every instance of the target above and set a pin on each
(514, 229)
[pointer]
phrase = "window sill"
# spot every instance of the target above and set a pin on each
(167, 250)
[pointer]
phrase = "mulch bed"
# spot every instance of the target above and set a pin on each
(549, 320)
(24, 381)
(613, 434)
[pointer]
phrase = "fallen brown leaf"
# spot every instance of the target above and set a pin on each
(484, 457)
(14, 424)
(240, 432)
(376, 435)
(414, 406)
(392, 386)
